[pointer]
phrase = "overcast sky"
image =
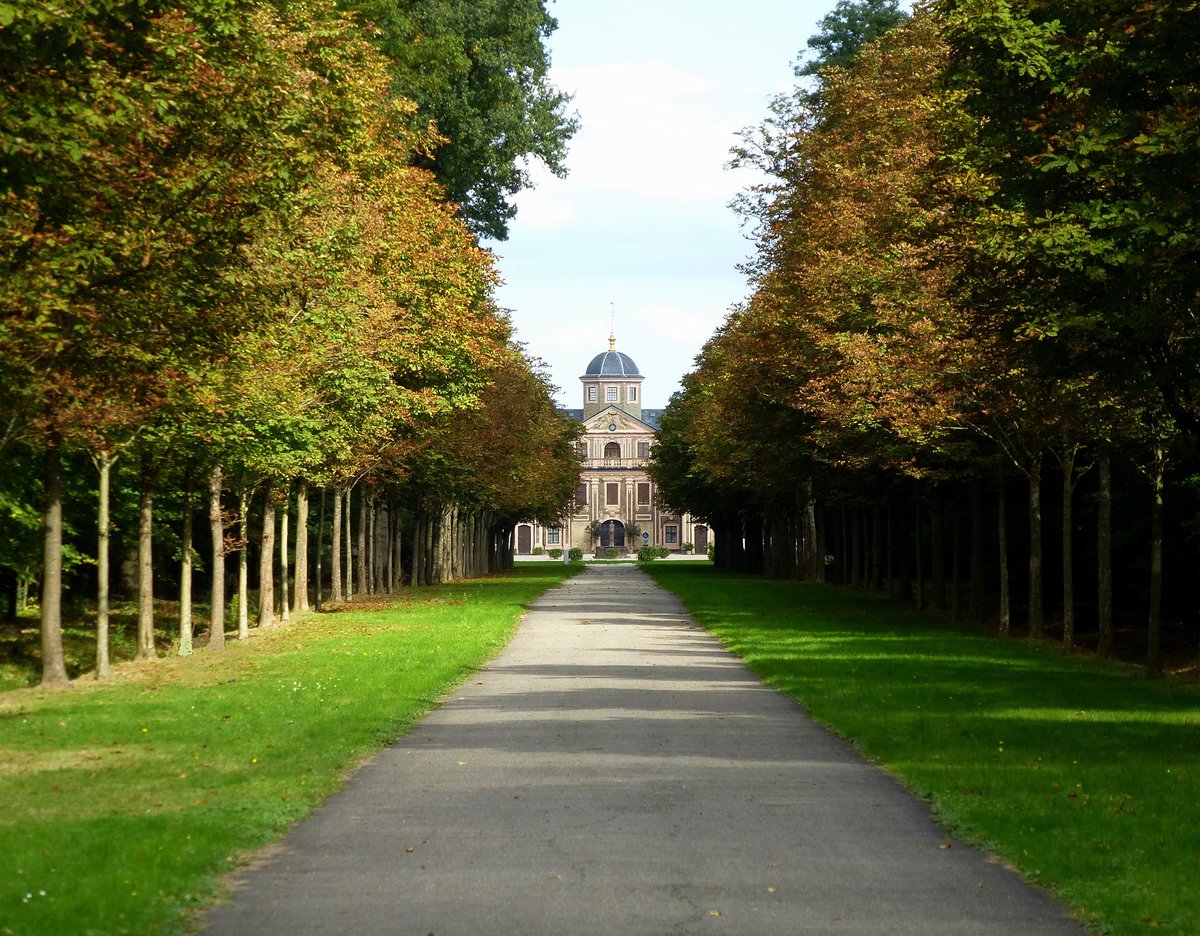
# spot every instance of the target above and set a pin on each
(642, 223)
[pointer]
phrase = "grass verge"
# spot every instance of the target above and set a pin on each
(1084, 776)
(125, 802)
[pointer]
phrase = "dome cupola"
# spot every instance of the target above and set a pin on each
(612, 379)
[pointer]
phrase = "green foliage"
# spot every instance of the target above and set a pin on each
(845, 30)
(479, 71)
(162, 781)
(538, 551)
(554, 553)
(611, 552)
(575, 554)
(1072, 771)
(647, 554)
(686, 548)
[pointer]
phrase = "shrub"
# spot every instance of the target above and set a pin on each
(575, 554)
(554, 553)
(538, 551)
(686, 548)
(612, 552)
(647, 554)
(661, 552)
(710, 550)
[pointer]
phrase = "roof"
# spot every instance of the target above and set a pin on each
(612, 364)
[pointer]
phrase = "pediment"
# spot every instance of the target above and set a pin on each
(602, 422)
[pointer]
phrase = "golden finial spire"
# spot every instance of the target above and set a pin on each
(612, 327)
(612, 342)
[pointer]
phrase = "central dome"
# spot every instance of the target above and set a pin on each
(612, 364)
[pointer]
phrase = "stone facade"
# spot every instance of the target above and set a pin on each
(614, 492)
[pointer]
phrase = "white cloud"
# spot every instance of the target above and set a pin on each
(652, 130)
(536, 209)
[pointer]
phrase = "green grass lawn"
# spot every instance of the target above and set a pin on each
(1084, 776)
(124, 803)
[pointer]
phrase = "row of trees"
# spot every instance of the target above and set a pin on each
(227, 274)
(977, 270)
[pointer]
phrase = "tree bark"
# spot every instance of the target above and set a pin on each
(1154, 625)
(301, 587)
(335, 560)
(937, 549)
(285, 611)
(185, 571)
(317, 593)
(363, 583)
(956, 557)
(919, 550)
(216, 526)
(975, 602)
(1002, 530)
(244, 565)
(104, 463)
(145, 632)
(266, 560)
(1106, 642)
(373, 547)
(1068, 564)
(1037, 621)
(54, 668)
(349, 543)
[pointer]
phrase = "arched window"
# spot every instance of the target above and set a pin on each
(612, 450)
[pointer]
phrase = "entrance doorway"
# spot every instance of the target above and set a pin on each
(524, 540)
(701, 541)
(612, 534)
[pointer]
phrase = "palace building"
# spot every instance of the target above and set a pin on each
(614, 505)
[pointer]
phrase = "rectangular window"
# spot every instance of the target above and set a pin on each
(612, 494)
(633, 394)
(581, 495)
(592, 393)
(670, 534)
(552, 537)
(643, 450)
(613, 394)
(643, 492)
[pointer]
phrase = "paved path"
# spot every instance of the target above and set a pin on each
(615, 771)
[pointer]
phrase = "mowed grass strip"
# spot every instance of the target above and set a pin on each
(124, 803)
(1086, 777)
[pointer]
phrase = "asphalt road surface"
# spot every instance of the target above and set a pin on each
(615, 771)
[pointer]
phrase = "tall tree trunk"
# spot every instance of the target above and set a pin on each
(372, 546)
(54, 668)
(956, 557)
(1068, 528)
(1106, 642)
(389, 574)
(975, 603)
(285, 610)
(919, 548)
(397, 550)
(266, 560)
(301, 587)
(890, 573)
(1037, 621)
(185, 570)
(145, 633)
(937, 549)
(1154, 625)
(349, 543)
(877, 547)
(244, 565)
(335, 540)
(1005, 586)
(216, 527)
(104, 463)
(320, 550)
(363, 585)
